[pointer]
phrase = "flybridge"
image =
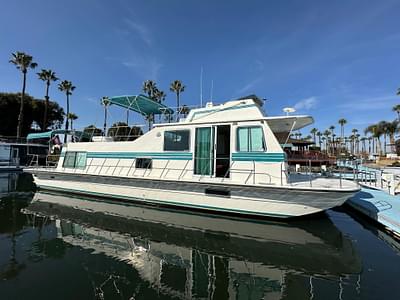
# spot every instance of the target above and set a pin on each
(141, 104)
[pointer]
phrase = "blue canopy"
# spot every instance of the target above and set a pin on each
(141, 104)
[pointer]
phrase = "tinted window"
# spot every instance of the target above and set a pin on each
(80, 161)
(69, 160)
(250, 139)
(143, 163)
(75, 160)
(177, 140)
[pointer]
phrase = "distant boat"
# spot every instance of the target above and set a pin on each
(223, 158)
(16, 155)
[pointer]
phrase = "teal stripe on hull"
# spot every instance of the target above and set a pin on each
(160, 202)
(258, 156)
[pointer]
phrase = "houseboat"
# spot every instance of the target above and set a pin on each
(220, 158)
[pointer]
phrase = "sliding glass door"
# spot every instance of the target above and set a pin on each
(204, 151)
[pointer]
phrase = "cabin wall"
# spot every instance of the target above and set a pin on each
(117, 158)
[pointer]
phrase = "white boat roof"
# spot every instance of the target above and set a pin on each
(288, 123)
(241, 110)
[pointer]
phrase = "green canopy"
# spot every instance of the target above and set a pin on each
(141, 104)
(50, 134)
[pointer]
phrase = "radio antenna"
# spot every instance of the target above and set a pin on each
(201, 86)
(211, 92)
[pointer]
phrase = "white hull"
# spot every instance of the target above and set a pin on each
(285, 207)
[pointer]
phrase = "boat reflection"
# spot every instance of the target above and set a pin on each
(188, 255)
(15, 183)
(8, 183)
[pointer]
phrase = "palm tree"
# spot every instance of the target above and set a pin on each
(319, 134)
(159, 96)
(324, 142)
(353, 140)
(67, 87)
(106, 103)
(342, 122)
(178, 88)
(184, 110)
(314, 132)
(357, 143)
(363, 141)
(396, 109)
(149, 86)
(327, 133)
(391, 129)
(387, 128)
(23, 62)
(72, 117)
(150, 119)
(398, 92)
(369, 144)
(47, 76)
(376, 134)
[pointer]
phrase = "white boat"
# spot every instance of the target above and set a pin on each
(223, 158)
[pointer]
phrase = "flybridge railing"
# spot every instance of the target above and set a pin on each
(104, 168)
(116, 133)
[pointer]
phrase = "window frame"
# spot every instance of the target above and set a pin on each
(249, 139)
(188, 140)
(75, 154)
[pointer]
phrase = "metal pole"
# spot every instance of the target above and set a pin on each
(309, 169)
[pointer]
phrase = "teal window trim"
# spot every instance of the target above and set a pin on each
(75, 160)
(249, 139)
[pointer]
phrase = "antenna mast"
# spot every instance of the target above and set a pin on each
(211, 92)
(201, 86)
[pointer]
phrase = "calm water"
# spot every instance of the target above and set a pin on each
(50, 249)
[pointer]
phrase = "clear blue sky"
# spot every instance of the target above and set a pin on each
(330, 59)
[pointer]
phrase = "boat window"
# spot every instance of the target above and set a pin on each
(69, 160)
(75, 159)
(143, 163)
(80, 161)
(177, 140)
(250, 139)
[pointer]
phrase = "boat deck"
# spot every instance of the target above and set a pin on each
(304, 180)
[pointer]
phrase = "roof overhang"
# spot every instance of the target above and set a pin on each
(288, 123)
(140, 104)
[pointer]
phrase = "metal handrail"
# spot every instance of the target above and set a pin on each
(97, 167)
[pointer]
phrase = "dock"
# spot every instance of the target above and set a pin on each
(379, 206)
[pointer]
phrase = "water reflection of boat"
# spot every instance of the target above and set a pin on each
(8, 183)
(15, 183)
(191, 255)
